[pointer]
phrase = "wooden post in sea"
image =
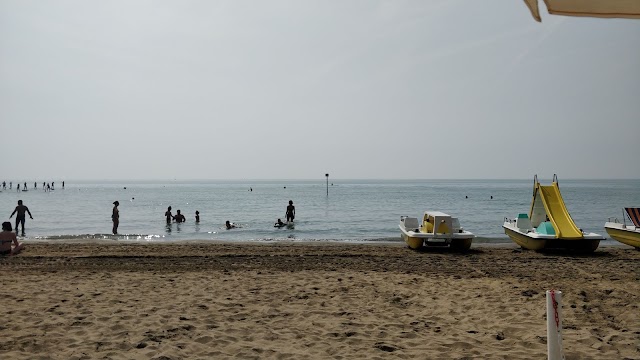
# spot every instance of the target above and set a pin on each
(327, 176)
(554, 325)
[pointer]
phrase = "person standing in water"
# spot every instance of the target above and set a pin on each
(115, 217)
(197, 216)
(291, 211)
(21, 217)
(179, 217)
(168, 215)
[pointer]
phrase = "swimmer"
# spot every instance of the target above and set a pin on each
(279, 224)
(230, 225)
(179, 217)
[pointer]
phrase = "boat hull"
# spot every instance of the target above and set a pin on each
(589, 244)
(625, 236)
(525, 241)
(412, 242)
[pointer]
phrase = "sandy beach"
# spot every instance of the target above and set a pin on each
(328, 300)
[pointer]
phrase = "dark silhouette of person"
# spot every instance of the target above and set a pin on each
(10, 185)
(35, 185)
(53, 184)
(48, 187)
(115, 217)
(43, 186)
(18, 188)
(22, 210)
(279, 224)
(179, 217)
(25, 185)
(63, 184)
(291, 211)
(197, 216)
(4, 185)
(168, 215)
(6, 238)
(229, 225)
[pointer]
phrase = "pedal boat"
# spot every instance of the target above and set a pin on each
(437, 229)
(626, 234)
(548, 224)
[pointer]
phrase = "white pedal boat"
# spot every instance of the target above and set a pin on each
(437, 229)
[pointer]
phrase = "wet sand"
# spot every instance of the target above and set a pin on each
(314, 300)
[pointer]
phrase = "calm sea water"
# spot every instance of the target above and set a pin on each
(354, 210)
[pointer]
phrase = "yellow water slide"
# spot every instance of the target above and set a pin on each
(558, 214)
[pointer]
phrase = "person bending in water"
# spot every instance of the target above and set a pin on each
(291, 211)
(279, 224)
(179, 217)
(6, 238)
(229, 225)
(21, 217)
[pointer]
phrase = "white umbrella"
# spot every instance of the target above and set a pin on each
(590, 8)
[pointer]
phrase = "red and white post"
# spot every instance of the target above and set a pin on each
(554, 325)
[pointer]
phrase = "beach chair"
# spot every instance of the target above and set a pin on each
(634, 216)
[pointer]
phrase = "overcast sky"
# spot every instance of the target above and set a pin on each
(295, 89)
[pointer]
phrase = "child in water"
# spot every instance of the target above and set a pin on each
(279, 224)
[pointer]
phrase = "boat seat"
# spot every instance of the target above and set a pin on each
(411, 224)
(546, 228)
(523, 223)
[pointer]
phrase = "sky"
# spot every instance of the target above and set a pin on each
(295, 89)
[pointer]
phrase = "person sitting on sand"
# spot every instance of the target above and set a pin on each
(230, 225)
(7, 236)
(279, 224)
(179, 217)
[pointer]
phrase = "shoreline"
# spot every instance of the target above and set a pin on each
(314, 300)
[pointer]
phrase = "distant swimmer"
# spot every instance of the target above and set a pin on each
(229, 225)
(115, 217)
(279, 224)
(179, 218)
(197, 216)
(491, 196)
(35, 185)
(291, 211)
(22, 210)
(18, 188)
(63, 184)
(25, 185)
(168, 215)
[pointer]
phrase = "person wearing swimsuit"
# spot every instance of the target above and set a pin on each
(20, 218)
(291, 211)
(7, 236)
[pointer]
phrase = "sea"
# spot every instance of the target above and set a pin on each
(326, 209)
